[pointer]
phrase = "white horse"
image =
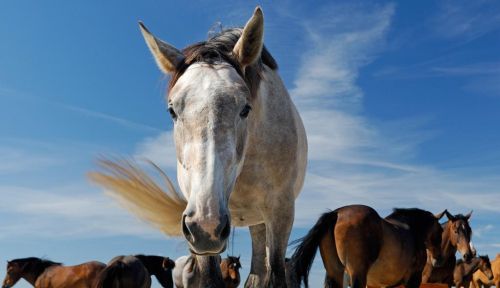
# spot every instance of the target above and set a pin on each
(195, 271)
(241, 150)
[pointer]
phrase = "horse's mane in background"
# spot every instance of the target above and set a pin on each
(35, 265)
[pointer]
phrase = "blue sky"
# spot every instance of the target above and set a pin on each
(400, 100)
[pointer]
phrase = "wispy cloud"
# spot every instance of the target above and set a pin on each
(466, 20)
(108, 117)
(160, 149)
(66, 211)
(26, 156)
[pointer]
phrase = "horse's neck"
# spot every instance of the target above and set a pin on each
(151, 264)
(446, 246)
(209, 271)
(471, 267)
(165, 280)
(154, 266)
(31, 277)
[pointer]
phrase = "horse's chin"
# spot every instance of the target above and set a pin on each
(207, 253)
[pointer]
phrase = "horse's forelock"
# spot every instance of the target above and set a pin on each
(219, 49)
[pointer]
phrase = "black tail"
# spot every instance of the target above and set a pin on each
(305, 252)
(110, 274)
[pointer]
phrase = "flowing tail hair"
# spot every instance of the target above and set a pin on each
(109, 274)
(124, 181)
(305, 252)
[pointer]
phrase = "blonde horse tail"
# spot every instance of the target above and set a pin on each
(126, 182)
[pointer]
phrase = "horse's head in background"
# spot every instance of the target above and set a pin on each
(14, 273)
(458, 232)
(485, 266)
(212, 103)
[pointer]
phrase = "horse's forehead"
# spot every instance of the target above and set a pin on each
(202, 80)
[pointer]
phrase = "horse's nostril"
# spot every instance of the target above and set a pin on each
(185, 230)
(224, 234)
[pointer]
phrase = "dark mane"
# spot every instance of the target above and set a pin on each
(154, 265)
(34, 265)
(232, 259)
(219, 48)
(419, 220)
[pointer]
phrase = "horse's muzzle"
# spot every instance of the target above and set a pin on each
(208, 239)
(467, 257)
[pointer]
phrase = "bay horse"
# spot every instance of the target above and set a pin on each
(43, 273)
(230, 268)
(135, 271)
(462, 275)
(374, 251)
(480, 280)
(456, 236)
(241, 150)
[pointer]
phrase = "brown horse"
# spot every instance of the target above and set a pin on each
(374, 251)
(479, 279)
(462, 275)
(47, 274)
(456, 236)
(230, 268)
(135, 272)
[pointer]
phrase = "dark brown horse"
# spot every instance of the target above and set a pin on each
(136, 271)
(456, 236)
(462, 275)
(230, 268)
(374, 251)
(47, 274)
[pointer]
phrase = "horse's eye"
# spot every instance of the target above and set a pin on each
(245, 111)
(172, 113)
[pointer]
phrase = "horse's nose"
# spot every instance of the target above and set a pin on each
(467, 257)
(206, 236)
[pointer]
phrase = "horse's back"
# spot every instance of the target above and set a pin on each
(76, 276)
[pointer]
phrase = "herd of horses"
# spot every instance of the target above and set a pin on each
(408, 247)
(241, 151)
(127, 271)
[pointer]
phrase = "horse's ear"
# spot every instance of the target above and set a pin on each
(167, 56)
(449, 216)
(468, 215)
(247, 49)
(440, 215)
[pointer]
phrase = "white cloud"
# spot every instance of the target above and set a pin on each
(21, 156)
(66, 211)
(160, 149)
(466, 20)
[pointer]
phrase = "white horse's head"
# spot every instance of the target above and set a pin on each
(211, 101)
